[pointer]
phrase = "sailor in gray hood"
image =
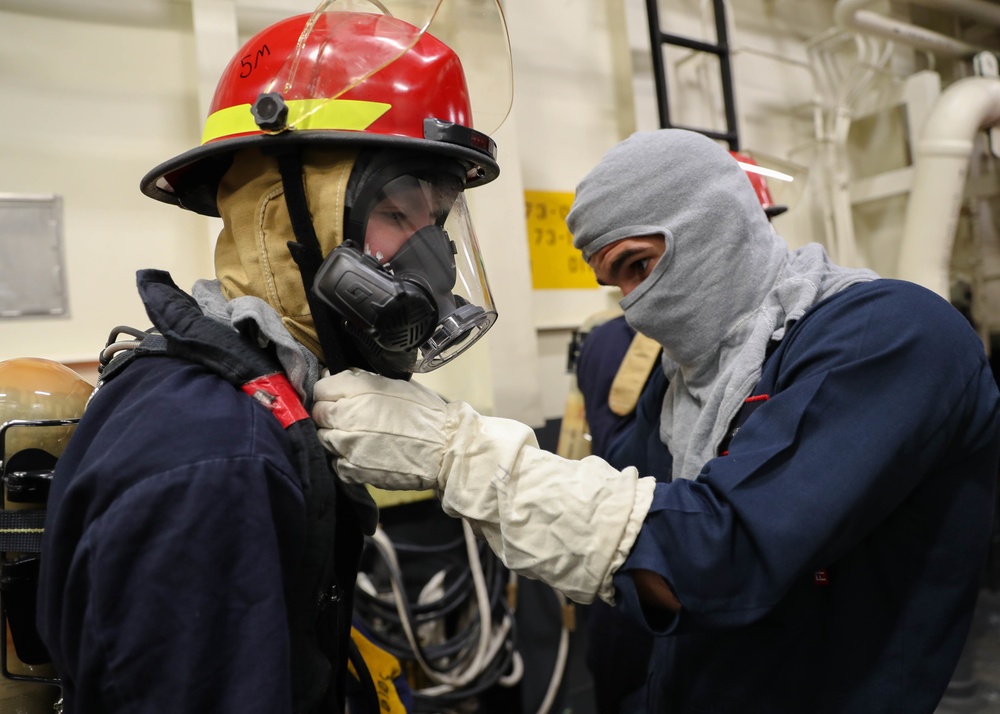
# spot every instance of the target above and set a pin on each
(723, 287)
(806, 503)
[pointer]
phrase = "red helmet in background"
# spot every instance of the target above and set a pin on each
(346, 77)
(759, 184)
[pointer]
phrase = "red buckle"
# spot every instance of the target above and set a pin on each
(276, 393)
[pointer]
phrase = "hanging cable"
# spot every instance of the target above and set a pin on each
(457, 632)
(459, 629)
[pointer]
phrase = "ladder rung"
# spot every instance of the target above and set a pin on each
(692, 44)
(711, 134)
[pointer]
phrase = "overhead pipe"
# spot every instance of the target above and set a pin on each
(852, 15)
(941, 164)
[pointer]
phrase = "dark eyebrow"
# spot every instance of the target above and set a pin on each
(623, 257)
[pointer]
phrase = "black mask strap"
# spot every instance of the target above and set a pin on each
(339, 351)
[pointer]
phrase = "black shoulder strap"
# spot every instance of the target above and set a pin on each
(339, 352)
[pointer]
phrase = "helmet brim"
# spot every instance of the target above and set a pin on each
(191, 179)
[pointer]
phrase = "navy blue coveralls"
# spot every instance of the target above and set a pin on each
(177, 552)
(830, 560)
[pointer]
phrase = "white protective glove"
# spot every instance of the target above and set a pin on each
(567, 523)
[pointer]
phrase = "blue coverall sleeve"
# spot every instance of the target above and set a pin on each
(868, 401)
(185, 606)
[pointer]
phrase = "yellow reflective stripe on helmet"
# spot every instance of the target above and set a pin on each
(346, 114)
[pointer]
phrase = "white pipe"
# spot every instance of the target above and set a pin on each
(851, 15)
(941, 163)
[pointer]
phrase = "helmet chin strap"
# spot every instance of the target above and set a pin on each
(339, 351)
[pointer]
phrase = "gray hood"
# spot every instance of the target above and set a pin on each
(726, 286)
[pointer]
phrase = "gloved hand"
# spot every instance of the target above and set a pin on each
(567, 523)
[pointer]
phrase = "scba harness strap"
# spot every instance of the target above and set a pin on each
(21, 531)
(337, 515)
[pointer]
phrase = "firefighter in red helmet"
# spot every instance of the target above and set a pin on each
(369, 115)
(200, 555)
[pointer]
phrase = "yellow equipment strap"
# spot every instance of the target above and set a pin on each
(337, 114)
(574, 433)
(384, 669)
(386, 499)
(631, 377)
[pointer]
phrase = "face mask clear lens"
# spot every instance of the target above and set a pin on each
(465, 308)
(418, 289)
(403, 207)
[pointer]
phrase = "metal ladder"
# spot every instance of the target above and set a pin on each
(658, 38)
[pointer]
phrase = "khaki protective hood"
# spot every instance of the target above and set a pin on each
(252, 256)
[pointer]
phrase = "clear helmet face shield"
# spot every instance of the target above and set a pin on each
(475, 31)
(410, 278)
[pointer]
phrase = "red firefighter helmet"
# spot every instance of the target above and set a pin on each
(759, 184)
(344, 77)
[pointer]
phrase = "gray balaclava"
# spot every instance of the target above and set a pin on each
(726, 286)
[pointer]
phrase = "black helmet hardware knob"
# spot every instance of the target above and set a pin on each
(270, 111)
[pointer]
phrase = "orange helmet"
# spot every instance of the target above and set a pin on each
(40, 402)
(341, 77)
(39, 390)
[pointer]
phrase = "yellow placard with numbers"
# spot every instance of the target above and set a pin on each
(555, 263)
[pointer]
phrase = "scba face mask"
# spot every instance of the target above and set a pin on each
(409, 278)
